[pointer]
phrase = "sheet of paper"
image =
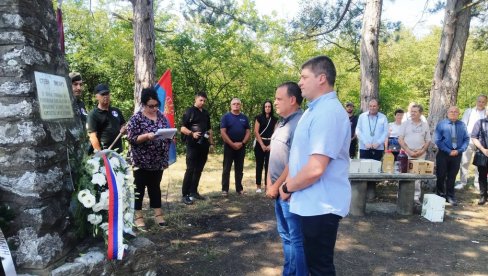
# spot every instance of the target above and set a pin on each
(165, 133)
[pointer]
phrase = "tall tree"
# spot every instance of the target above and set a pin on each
(144, 47)
(370, 68)
(447, 73)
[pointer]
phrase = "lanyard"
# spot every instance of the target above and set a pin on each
(372, 131)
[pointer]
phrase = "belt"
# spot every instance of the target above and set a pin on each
(265, 138)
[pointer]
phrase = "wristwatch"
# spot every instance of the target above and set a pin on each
(285, 189)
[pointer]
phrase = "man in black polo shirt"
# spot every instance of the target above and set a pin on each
(104, 123)
(196, 126)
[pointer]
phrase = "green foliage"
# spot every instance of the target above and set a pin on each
(228, 50)
(82, 181)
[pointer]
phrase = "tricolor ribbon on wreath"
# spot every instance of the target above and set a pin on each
(115, 248)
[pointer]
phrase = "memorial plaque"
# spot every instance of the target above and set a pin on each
(53, 96)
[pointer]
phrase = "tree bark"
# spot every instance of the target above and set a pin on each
(370, 70)
(447, 73)
(144, 47)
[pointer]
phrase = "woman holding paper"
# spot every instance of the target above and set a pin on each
(264, 125)
(148, 155)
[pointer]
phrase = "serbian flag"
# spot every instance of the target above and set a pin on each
(165, 96)
(115, 247)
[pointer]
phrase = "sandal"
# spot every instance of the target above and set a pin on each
(241, 192)
(161, 222)
(140, 226)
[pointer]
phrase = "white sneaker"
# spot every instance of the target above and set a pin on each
(459, 186)
(258, 191)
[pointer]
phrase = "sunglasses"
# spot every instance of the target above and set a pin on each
(104, 93)
(152, 106)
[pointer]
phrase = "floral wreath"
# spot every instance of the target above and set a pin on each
(108, 199)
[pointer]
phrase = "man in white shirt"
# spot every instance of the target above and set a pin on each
(470, 117)
(372, 129)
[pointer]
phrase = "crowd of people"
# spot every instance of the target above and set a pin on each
(305, 155)
(453, 140)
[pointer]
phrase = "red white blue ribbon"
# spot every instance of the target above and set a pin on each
(115, 248)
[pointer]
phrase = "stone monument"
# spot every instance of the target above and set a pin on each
(39, 133)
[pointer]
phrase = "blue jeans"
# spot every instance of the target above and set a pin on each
(290, 231)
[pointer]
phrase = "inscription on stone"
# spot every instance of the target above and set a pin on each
(53, 96)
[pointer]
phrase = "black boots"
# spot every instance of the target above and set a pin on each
(482, 200)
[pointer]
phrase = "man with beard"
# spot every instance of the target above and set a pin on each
(199, 138)
(353, 119)
(77, 87)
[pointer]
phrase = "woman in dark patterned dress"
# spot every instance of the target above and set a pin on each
(148, 155)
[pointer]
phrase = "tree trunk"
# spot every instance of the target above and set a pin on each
(447, 73)
(144, 47)
(370, 70)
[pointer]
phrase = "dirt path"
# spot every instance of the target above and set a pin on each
(237, 235)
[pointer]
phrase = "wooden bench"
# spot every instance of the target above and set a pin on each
(406, 190)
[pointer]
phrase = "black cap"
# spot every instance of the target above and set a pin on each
(349, 104)
(101, 88)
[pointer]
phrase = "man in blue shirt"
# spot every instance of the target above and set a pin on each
(288, 99)
(234, 128)
(318, 180)
(451, 137)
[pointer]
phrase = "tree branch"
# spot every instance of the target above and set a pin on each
(220, 10)
(346, 9)
(116, 15)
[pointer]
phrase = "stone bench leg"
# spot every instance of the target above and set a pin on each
(406, 190)
(371, 191)
(358, 198)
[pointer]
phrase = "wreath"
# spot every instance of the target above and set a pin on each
(107, 199)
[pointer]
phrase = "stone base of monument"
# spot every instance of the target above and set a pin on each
(142, 258)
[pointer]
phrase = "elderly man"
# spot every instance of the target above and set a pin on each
(470, 117)
(414, 138)
(407, 114)
(288, 98)
(235, 131)
(318, 180)
(452, 139)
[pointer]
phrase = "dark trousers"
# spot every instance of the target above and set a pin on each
(236, 157)
(319, 238)
(447, 169)
(371, 154)
(482, 171)
(353, 148)
(196, 158)
(151, 180)
(262, 159)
